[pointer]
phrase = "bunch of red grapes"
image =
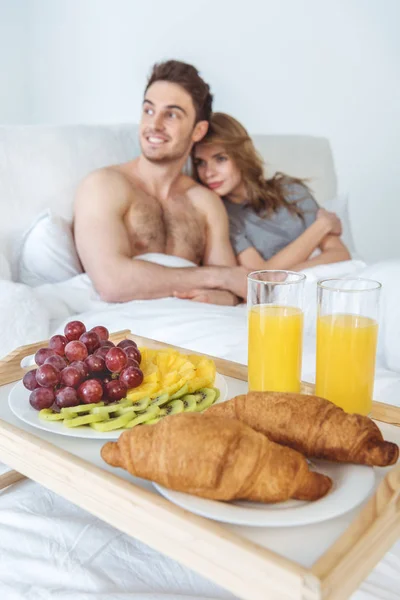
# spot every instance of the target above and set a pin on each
(81, 367)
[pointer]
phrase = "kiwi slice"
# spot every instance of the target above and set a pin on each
(159, 400)
(204, 398)
(140, 405)
(126, 410)
(50, 415)
(184, 390)
(172, 408)
(189, 403)
(82, 408)
(150, 413)
(217, 393)
(84, 420)
(153, 421)
(106, 410)
(111, 424)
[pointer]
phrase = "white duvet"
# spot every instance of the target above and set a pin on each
(51, 549)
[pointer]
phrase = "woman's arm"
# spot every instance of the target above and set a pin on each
(298, 251)
(332, 250)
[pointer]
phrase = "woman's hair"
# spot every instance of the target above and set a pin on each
(266, 196)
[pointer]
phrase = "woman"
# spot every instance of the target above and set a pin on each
(275, 223)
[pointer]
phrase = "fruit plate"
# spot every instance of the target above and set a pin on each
(351, 485)
(18, 401)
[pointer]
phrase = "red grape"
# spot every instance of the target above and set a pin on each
(73, 330)
(125, 343)
(76, 351)
(116, 360)
(82, 368)
(115, 390)
(107, 344)
(41, 398)
(58, 343)
(90, 391)
(134, 353)
(29, 380)
(47, 376)
(95, 363)
(57, 361)
(102, 351)
(91, 341)
(131, 377)
(67, 396)
(102, 332)
(132, 363)
(42, 354)
(71, 377)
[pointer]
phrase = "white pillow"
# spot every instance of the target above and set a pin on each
(339, 205)
(5, 269)
(47, 252)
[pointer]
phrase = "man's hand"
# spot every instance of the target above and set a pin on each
(332, 221)
(221, 297)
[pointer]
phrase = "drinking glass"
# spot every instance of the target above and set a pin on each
(275, 330)
(347, 331)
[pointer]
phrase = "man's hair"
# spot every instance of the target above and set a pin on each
(187, 76)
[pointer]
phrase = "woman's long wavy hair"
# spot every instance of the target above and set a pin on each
(266, 196)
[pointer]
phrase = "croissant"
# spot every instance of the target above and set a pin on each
(220, 459)
(311, 425)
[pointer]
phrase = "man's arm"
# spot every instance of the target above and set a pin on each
(218, 250)
(104, 248)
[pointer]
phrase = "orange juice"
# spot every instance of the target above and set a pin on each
(275, 345)
(346, 348)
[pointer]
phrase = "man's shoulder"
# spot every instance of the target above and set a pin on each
(196, 191)
(105, 176)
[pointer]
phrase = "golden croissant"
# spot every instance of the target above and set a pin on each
(215, 458)
(311, 425)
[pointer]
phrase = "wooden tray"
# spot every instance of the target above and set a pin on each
(248, 570)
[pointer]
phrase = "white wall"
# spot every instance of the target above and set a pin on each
(319, 67)
(14, 93)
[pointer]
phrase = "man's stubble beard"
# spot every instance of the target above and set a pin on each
(172, 157)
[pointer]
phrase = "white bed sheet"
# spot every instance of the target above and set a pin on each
(52, 549)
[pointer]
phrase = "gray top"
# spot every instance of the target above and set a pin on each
(270, 234)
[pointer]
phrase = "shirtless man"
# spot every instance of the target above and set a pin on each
(148, 205)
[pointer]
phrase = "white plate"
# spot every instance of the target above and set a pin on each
(351, 485)
(18, 401)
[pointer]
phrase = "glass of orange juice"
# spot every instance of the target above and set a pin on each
(275, 321)
(347, 332)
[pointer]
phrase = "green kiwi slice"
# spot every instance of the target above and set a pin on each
(204, 398)
(150, 413)
(189, 403)
(82, 408)
(84, 420)
(49, 415)
(159, 400)
(141, 405)
(172, 408)
(217, 393)
(111, 424)
(184, 390)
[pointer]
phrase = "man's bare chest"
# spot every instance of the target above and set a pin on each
(174, 227)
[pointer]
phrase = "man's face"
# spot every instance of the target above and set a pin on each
(167, 126)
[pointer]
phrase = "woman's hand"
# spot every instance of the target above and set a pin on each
(331, 220)
(222, 297)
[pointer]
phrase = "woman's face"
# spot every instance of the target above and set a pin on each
(216, 170)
